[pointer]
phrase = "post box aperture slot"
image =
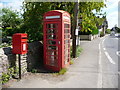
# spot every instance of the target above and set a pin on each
(24, 37)
(24, 41)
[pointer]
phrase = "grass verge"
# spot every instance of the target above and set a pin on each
(61, 72)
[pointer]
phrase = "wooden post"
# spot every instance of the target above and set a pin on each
(19, 63)
(75, 25)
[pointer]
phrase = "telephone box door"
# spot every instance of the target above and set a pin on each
(52, 44)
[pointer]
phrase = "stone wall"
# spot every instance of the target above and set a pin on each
(33, 59)
(35, 55)
(9, 60)
(88, 37)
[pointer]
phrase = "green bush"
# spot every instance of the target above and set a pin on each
(7, 76)
(85, 33)
(9, 31)
(71, 51)
(94, 32)
(101, 34)
(118, 30)
(108, 31)
(4, 45)
(62, 71)
(34, 71)
(71, 61)
(78, 50)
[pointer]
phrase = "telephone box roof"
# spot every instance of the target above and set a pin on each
(60, 11)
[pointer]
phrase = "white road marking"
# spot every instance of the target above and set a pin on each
(104, 49)
(99, 84)
(116, 38)
(118, 53)
(109, 58)
(99, 54)
(106, 53)
(118, 73)
(103, 42)
(100, 77)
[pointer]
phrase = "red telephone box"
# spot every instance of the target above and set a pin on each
(19, 42)
(56, 39)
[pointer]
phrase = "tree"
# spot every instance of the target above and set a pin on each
(90, 21)
(34, 11)
(33, 16)
(10, 19)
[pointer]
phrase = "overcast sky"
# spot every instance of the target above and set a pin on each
(111, 10)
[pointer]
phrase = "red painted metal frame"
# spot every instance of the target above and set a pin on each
(60, 41)
(18, 40)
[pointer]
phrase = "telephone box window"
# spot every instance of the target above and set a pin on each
(52, 31)
(67, 31)
(66, 25)
(51, 42)
(66, 36)
(52, 47)
(66, 42)
(52, 52)
(51, 25)
(52, 60)
(51, 36)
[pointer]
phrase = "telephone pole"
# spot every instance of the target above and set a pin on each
(75, 26)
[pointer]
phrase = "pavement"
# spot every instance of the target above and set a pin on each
(96, 67)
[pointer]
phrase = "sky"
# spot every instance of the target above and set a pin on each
(111, 10)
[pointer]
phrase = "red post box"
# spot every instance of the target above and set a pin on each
(56, 39)
(19, 42)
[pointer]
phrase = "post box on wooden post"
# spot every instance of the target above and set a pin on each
(20, 46)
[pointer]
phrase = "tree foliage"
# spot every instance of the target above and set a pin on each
(34, 11)
(10, 21)
(90, 21)
(33, 19)
(33, 16)
(10, 18)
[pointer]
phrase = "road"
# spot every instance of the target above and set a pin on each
(109, 61)
(97, 67)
